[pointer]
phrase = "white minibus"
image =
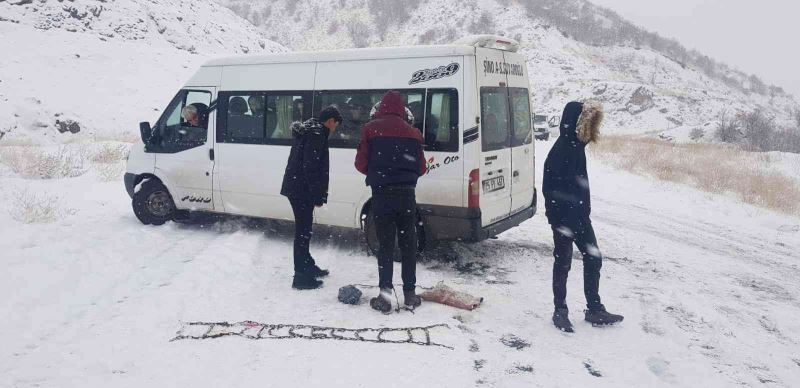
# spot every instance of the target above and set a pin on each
(470, 100)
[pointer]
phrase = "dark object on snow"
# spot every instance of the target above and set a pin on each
(561, 320)
(349, 295)
(303, 281)
(601, 317)
(515, 342)
(68, 126)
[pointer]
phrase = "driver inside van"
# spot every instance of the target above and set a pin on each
(195, 118)
(190, 116)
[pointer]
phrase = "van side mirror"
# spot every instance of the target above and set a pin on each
(555, 121)
(145, 131)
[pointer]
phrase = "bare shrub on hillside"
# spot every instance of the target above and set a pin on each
(697, 134)
(718, 169)
(110, 153)
(787, 140)
(390, 12)
(359, 33)
(728, 128)
(36, 208)
(483, 24)
(33, 162)
(759, 130)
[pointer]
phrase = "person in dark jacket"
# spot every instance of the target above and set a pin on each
(305, 183)
(390, 155)
(568, 205)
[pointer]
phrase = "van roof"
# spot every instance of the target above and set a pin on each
(346, 55)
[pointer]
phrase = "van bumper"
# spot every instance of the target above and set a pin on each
(443, 223)
(130, 183)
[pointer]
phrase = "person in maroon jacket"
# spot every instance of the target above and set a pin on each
(390, 155)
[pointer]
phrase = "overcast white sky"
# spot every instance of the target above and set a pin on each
(755, 36)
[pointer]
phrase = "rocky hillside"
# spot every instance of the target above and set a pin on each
(101, 66)
(649, 84)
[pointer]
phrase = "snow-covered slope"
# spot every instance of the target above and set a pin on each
(106, 64)
(644, 90)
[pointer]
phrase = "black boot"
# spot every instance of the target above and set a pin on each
(305, 281)
(411, 299)
(561, 320)
(601, 317)
(318, 272)
(382, 302)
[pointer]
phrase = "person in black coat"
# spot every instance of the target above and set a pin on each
(305, 183)
(568, 205)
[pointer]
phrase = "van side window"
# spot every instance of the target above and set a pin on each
(441, 121)
(520, 117)
(184, 124)
(355, 106)
(494, 118)
(282, 111)
(245, 118)
(260, 117)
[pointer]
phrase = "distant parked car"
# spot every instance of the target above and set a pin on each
(541, 126)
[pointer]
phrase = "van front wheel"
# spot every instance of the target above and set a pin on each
(153, 204)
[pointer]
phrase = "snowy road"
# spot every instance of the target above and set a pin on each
(709, 288)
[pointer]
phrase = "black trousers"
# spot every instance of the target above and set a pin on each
(582, 235)
(303, 219)
(395, 216)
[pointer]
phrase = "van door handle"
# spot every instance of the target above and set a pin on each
(211, 154)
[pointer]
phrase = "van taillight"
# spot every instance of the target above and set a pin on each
(474, 200)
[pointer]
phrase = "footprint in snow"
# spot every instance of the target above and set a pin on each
(515, 342)
(589, 365)
(660, 367)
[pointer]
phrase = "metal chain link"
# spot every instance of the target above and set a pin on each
(255, 331)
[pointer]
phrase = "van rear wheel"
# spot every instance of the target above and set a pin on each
(153, 204)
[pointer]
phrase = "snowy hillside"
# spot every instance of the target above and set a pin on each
(106, 65)
(645, 90)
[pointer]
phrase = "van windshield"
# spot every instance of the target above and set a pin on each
(539, 119)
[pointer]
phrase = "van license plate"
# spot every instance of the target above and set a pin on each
(494, 184)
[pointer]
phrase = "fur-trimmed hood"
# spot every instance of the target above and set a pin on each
(589, 121)
(582, 121)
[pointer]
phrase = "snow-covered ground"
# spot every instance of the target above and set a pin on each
(708, 286)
